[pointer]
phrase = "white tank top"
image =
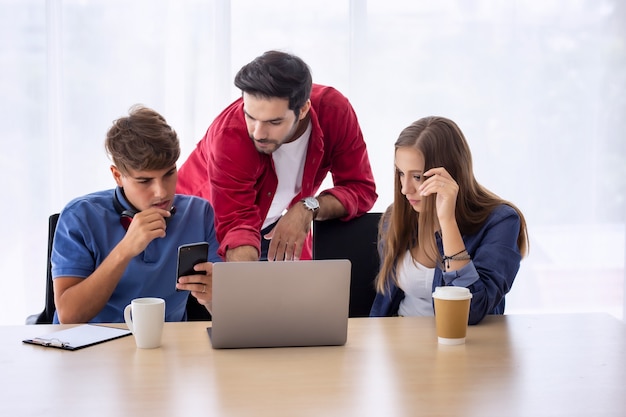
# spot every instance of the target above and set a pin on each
(416, 281)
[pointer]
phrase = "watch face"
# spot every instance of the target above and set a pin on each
(311, 203)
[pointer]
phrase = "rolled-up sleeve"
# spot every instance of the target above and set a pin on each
(495, 262)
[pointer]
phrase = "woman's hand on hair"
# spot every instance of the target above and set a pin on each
(440, 182)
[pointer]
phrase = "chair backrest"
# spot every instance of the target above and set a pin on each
(195, 311)
(355, 240)
(45, 317)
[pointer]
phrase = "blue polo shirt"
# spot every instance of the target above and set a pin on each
(89, 228)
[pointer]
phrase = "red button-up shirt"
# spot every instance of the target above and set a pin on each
(240, 182)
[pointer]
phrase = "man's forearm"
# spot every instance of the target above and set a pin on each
(330, 208)
(242, 254)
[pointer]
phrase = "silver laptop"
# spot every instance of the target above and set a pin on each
(272, 304)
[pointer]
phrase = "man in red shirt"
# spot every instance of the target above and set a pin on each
(265, 156)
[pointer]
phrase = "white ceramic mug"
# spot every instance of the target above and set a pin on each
(144, 318)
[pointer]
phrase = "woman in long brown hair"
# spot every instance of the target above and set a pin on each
(444, 228)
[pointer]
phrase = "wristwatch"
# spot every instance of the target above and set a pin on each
(312, 205)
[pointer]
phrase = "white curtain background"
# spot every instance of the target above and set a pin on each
(538, 87)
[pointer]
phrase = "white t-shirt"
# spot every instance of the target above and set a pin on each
(416, 281)
(289, 164)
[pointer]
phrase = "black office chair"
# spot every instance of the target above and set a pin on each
(195, 311)
(45, 317)
(355, 240)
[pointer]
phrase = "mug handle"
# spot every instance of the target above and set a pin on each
(127, 318)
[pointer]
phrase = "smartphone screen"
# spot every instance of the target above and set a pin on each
(188, 256)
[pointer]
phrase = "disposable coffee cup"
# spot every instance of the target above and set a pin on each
(144, 318)
(452, 306)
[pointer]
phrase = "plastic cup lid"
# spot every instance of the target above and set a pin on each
(452, 293)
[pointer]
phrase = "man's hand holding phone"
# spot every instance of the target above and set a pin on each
(194, 273)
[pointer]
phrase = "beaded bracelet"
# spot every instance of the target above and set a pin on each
(456, 257)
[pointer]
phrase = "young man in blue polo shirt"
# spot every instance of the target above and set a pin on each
(116, 245)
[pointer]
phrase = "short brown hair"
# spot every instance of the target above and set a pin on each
(142, 141)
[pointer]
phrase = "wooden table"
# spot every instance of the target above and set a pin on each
(517, 365)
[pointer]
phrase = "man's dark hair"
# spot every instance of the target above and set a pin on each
(277, 74)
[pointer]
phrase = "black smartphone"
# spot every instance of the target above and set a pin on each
(190, 255)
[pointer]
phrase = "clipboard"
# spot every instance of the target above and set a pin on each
(78, 337)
